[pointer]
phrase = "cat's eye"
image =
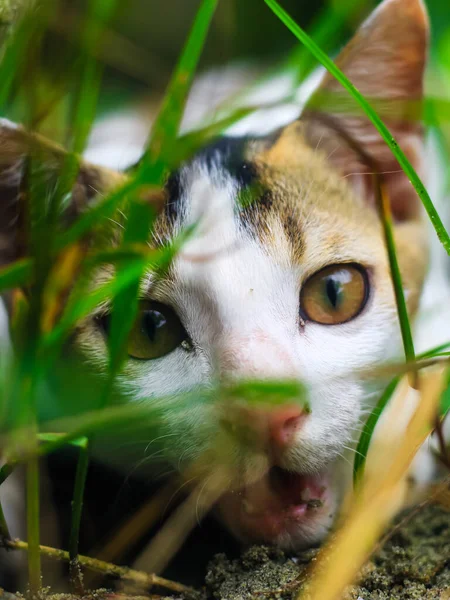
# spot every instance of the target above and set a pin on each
(157, 331)
(335, 294)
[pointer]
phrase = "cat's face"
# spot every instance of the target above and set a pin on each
(249, 293)
(293, 284)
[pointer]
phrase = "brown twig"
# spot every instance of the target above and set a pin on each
(139, 578)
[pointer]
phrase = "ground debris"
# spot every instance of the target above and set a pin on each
(413, 564)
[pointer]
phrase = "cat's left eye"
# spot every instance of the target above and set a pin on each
(157, 331)
(335, 294)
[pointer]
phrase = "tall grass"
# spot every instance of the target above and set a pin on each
(45, 318)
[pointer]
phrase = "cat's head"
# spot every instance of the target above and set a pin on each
(285, 277)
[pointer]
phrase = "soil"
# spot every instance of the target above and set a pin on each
(413, 564)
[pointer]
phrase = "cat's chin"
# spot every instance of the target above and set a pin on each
(289, 510)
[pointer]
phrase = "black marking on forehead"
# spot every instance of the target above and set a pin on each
(227, 154)
(230, 154)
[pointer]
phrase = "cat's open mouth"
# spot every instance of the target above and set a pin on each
(281, 505)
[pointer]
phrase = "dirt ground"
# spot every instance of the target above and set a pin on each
(414, 564)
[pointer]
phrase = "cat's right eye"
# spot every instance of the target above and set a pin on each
(157, 331)
(335, 294)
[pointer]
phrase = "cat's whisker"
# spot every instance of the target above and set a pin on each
(116, 223)
(161, 437)
(370, 173)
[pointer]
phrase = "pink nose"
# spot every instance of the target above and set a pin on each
(271, 429)
(283, 425)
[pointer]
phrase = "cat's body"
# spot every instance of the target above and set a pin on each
(290, 281)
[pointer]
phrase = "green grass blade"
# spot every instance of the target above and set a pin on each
(369, 428)
(166, 126)
(273, 393)
(33, 527)
(436, 351)
(53, 437)
(4, 531)
(444, 407)
(85, 302)
(372, 115)
(402, 310)
(86, 97)
(77, 509)
(325, 31)
(125, 303)
(16, 275)
(99, 212)
(29, 27)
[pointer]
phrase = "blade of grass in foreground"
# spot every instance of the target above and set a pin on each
(16, 275)
(77, 508)
(33, 526)
(165, 129)
(160, 153)
(367, 433)
(84, 104)
(402, 312)
(371, 114)
(161, 145)
(30, 26)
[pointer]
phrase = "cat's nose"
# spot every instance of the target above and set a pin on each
(284, 423)
(272, 429)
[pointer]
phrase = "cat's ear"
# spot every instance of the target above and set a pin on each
(17, 147)
(385, 61)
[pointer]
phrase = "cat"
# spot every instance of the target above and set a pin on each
(292, 285)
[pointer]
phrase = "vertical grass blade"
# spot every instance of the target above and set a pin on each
(402, 311)
(77, 509)
(325, 31)
(33, 533)
(84, 102)
(30, 26)
(165, 129)
(369, 427)
(4, 531)
(125, 304)
(444, 407)
(155, 161)
(372, 115)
